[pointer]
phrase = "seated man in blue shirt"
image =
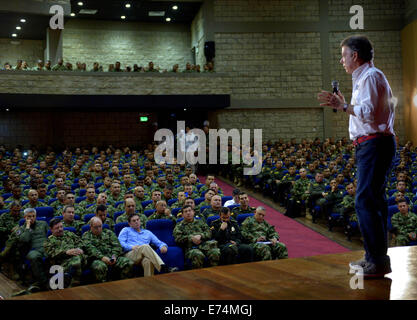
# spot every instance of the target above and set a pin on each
(136, 243)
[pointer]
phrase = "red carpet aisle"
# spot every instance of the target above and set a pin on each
(300, 240)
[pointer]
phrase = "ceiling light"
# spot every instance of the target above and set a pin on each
(72, 14)
(14, 35)
(123, 17)
(175, 8)
(18, 28)
(80, 4)
(7, 110)
(127, 5)
(168, 19)
(23, 20)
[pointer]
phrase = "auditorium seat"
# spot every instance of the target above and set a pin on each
(119, 226)
(162, 229)
(47, 212)
(211, 219)
(242, 217)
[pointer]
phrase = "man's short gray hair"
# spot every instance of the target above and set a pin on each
(260, 208)
(29, 210)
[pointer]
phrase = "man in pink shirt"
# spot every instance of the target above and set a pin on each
(371, 128)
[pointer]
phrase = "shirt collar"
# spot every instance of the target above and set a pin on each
(357, 73)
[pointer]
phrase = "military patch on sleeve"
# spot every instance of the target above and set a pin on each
(18, 232)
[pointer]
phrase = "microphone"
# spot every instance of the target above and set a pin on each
(335, 85)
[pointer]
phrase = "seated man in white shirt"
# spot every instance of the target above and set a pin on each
(235, 199)
(136, 244)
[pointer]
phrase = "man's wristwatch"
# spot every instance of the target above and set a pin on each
(345, 106)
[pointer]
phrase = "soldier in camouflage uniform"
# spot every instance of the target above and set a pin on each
(59, 204)
(101, 212)
(106, 186)
(208, 195)
(348, 203)
(162, 212)
(244, 206)
(404, 225)
(331, 200)
(226, 232)
(209, 180)
(66, 249)
(266, 174)
(104, 251)
(33, 200)
(285, 185)
(194, 235)
(9, 222)
(115, 194)
(90, 200)
(402, 187)
(188, 189)
(298, 195)
(180, 202)
(30, 238)
(130, 209)
(101, 200)
(256, 230)
(139, 197)
(191, 202)
(315, 192)
(277, 175)
(215, 206)
(68, 220)
(156, 196)
(127, 183)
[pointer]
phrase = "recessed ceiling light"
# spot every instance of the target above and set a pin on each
(23, 20)
(14, 35)
(168, 19)
(18, 28)
(80, 3)
(175, 8)
(127, 5)
(7, 110)
(123, 17)
(72, 14)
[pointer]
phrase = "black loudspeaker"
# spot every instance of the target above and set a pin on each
(209, 50)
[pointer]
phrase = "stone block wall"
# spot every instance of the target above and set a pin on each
(129, 43)
(283, 123)
(29, 50)
(266, 10)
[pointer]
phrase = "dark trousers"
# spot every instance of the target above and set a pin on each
(374, 160)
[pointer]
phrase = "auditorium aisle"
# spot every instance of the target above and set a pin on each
(300, 240)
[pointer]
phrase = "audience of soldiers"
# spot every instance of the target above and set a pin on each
(90, 192)
(117, 67)
(126, 186)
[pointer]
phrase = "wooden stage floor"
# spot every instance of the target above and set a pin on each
(320, 277)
